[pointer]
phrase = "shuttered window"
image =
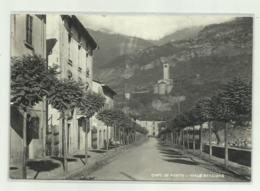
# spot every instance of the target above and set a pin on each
(29, 25)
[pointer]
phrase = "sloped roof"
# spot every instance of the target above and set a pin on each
(76, 22)
(50, 43)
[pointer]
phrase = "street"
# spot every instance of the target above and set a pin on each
(155, 161)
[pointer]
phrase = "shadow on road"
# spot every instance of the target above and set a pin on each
(61, 159)
(98, 151)
(127, 175)
(174, 156)
(182, 161)
(42, 165)
(81, 157)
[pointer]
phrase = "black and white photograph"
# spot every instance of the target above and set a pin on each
(131, 97)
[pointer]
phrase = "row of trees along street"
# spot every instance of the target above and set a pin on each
(124, 127)
(32, 82)
(231, 105)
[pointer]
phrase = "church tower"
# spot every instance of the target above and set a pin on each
(166, 71)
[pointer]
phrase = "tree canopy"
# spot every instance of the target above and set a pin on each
(232, 102)
(66, 95)
(91, 103)
(29, 75)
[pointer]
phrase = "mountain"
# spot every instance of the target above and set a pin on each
(199, 66)
(186, 33)
(114, 45)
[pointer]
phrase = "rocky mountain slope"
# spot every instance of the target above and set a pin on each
(199, 65)
(114, 45)
(182, 34)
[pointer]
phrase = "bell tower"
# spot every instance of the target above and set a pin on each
(166, 71)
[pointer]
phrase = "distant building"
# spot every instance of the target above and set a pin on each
(151, 126)
(98, 128)
(71, 47)
(127, 96)
(165, 85)
(28, 37)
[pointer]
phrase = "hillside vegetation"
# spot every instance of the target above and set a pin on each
(199, 65)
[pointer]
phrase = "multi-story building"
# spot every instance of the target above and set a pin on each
(28, 37)
(71, 49)
(99, 129)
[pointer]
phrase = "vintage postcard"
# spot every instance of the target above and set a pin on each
(131, 97)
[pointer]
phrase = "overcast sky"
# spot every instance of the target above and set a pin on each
(151, 27)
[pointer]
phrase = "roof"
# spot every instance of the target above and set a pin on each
(110, 90)
(106, 88)
(76, 22)
(50, 43)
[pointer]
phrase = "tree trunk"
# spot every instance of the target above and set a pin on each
(175, 137)
(78, 145)
(226, 144)
(114, 134)
(172, 140)
(210, 142)
(193, 138)
(43, 127)
(65, 134)
(217, 136)
(179, 138)
(107, 140)
(86, 141)
(200, 138)
(183, 143)
(24, 145)
(188, 141)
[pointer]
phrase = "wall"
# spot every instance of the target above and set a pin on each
(99, 125)
(80, 54)
(18, 48)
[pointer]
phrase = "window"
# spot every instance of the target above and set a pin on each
(87, 73)
(69, 36)
(79, 79)
(70, 62)
(69, 75)
(79, 69)
(29, 22)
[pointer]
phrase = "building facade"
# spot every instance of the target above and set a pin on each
(99, 130)
(28, 37)
(151, 126)
(71, 49)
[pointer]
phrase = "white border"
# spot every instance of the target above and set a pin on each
(123, 6)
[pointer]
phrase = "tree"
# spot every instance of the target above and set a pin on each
(65, 96)
(233, 103)
(29, 85)
(204, 113)
(106, 116)
(119, 122)
(89, 105)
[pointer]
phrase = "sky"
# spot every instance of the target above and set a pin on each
(150, 27)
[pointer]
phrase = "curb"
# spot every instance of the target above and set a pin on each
(195, 158)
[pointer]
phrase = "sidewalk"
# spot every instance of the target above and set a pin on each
(235, 168)
(51, 168)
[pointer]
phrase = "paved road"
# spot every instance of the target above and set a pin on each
(155, 161)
